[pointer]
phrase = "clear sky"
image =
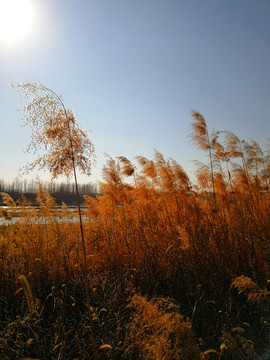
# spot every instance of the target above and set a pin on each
(131, 71)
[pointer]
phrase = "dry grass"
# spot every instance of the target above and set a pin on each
(162, 255)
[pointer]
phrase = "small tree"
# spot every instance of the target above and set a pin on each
(66, 147)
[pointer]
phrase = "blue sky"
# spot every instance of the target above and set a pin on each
(131, 71)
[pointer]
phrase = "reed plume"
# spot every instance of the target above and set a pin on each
(27, 291)
(201, 138)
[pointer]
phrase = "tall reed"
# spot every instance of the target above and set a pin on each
(67, 148)
(151, 236)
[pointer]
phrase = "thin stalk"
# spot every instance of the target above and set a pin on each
(86, 285)
(211, 165)
(85, 270)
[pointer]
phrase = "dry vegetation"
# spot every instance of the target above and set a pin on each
(167, 262)
(174, 271)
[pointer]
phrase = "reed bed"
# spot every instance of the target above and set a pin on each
(175, 270)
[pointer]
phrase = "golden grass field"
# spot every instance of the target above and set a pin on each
(173, 270)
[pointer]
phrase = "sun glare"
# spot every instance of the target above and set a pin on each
(16, 20)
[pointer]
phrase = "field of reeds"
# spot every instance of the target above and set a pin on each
(174, 270)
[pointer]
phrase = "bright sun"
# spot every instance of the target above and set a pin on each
(16, 20)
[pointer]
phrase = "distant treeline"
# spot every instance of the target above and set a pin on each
(60, 191)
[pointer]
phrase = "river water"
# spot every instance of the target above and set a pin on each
(37, 219)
